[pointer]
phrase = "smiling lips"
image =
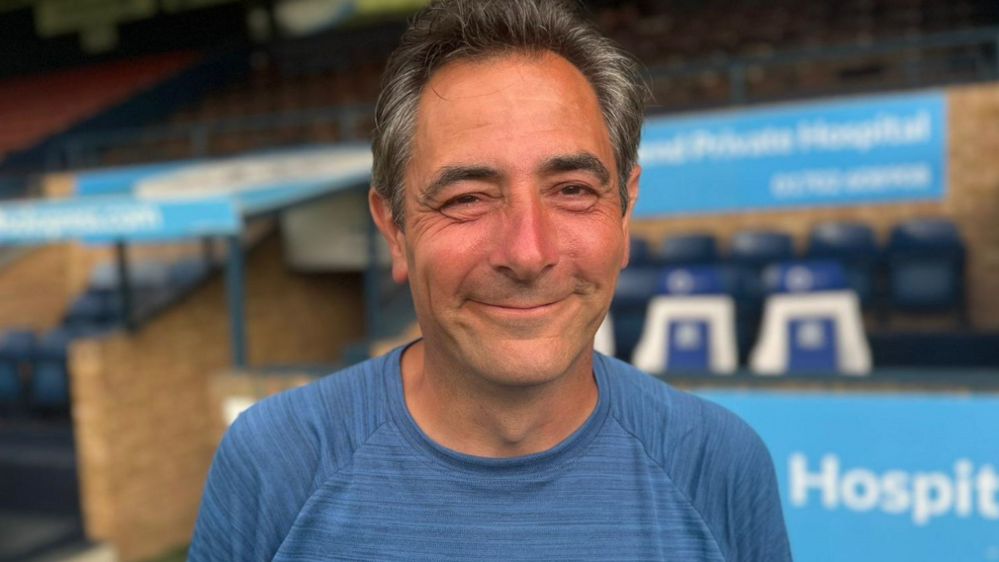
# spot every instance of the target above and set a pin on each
(523, 307)
(519, 309)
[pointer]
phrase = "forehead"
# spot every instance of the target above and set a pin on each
(514, 109)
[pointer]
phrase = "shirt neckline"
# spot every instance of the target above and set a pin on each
(537, 463)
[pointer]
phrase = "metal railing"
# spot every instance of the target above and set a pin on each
(927, 60)
(197, 140)
(921, 61)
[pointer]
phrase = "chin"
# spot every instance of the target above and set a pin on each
(525, 362)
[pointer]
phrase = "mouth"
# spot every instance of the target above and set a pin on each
(518, 309)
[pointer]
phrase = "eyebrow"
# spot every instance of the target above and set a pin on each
(454, 174)
(583, 161)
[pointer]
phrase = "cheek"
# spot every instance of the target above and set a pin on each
(441, 260)
(597, 245)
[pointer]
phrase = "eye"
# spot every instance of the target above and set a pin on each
(464, 199)
(575, 190)
(466, 206)
(576, 196)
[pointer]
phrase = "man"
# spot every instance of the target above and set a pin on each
(505, 174)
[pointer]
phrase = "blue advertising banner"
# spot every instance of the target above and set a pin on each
(864, 150)
(105, 219)
(161, 202)
(882, 478)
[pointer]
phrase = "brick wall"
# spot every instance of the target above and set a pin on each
(972, 201)
(146, 420)
(35, 289)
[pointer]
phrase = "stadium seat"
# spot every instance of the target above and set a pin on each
(16, 353)
(855, 247)
(184, 273)
(761, 247)
(635, 286)
(639, 253)
(688, 249)
(95, 309)
(689, 326)
(50, 379)
(142, 275)
(925, 262)
(751, 252)
(811, 323)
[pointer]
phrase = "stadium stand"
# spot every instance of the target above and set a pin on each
(152, 287)
(790, 47)
(920, 270)
(34, 108)
(322, 88)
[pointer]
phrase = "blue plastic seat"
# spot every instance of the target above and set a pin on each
(804, 276)
(750, 253)
(689, 325)
(688, 249)
(142, 275)
(635, 287)
(186, 272)
(760, 247)
(925, 263)
(855, 247)
(11, 387)
(811, 323)
(639, 253)
(17, 349)
(96, 307)
(50, 379)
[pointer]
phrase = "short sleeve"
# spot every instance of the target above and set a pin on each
(264, 470)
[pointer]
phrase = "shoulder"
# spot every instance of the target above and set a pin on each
(335, 413)
(669, 421)
(713, 457)
(276, 453)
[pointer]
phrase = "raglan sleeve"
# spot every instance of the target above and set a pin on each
(726, 470)
(758, 532)
(228, 524)
(261, 475)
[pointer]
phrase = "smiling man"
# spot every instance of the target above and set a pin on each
(505, 175)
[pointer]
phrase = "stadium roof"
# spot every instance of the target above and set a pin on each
(184, 200)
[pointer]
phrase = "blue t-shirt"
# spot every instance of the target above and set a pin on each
(338, 470)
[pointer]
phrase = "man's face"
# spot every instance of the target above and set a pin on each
(514, 233)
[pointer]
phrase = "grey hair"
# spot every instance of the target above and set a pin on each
(452, 30)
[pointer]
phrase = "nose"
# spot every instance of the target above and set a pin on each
(526, 245)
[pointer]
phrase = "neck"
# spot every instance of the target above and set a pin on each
(468, 414)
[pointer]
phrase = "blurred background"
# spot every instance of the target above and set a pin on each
(184, 230)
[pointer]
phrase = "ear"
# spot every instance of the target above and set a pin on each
(381, 212)
(636, 173)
